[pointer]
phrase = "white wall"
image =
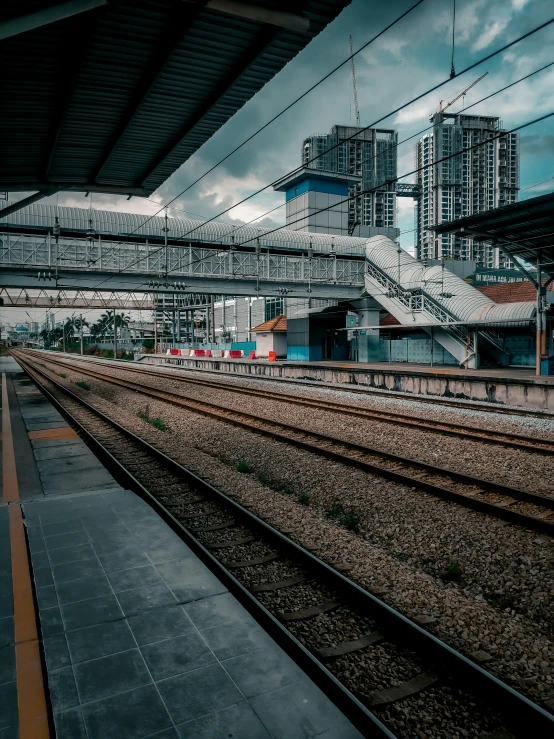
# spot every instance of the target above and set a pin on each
(272, 341)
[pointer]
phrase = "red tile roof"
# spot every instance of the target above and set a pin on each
(511, 292)
(279, 323)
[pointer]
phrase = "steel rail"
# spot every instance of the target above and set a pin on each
(450, 428)
(521, 714)
(368, 390)
(255, 423)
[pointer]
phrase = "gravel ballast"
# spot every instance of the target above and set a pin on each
(402, 526)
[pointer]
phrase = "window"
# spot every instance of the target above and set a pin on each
(274, 307)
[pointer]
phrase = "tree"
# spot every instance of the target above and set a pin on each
(95, 330)
(122, 320)
(69, 330)
(104, 323)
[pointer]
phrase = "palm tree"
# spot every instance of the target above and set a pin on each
(69, 329)
(95, 330)
(104, 323)
(45, 336)
(122, 320)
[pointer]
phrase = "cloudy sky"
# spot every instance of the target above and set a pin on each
(406, 61)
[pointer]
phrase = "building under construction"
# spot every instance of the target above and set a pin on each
(372, 155)
(481, 178)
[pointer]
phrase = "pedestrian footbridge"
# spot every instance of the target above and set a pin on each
(107, 251)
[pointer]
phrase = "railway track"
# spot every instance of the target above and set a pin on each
(368, 390)
(521, 507)
(341, 634)
(486, 436)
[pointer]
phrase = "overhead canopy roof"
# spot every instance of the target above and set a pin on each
(303, 173)
(114, 95)
(524, 230)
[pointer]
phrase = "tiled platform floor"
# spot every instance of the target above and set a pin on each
(140, 639)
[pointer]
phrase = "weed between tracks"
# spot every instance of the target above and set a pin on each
(156, 422)
(242, 465)
(453, 572)
(83, 385)
(61, 374)
(350, 521)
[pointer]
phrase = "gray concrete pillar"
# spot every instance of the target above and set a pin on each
(368, 340)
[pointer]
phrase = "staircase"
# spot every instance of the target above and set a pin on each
(418, 295)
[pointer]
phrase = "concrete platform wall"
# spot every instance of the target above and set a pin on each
(502, 390)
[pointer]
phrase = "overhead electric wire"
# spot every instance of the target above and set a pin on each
(371, 125)
(407, 174)
(395, 146)
(523, 189)
(282, 111)
(405, 105)
(379, 120)
(399, 143)
(416, 171)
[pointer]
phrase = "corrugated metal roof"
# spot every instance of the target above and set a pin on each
(122, 95)
(524, 230)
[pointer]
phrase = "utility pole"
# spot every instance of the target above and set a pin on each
(82, 334)
(114, 334)
(212, 318)
(63, 336)
(155, 323)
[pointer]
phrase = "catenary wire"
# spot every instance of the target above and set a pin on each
(415, 171)
(409, 138)
(282, 111)
(393, 112)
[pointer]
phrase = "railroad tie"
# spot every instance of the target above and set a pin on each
(349, 646)
(266, 587)
(399, 692)
(214, 527)
(310, 612)
(250, 562)
(233, 543)
(198, 514)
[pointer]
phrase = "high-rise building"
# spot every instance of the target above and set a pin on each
(371, 154)
(479, 179)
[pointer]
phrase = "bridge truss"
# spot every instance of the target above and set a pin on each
(100, 264)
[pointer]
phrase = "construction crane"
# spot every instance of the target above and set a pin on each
(444, 107)
(356, 109)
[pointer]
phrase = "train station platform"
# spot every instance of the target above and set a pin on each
(507, 386)
(110, 626)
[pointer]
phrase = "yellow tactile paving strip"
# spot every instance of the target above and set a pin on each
(62, 433)
(31, 699)
(10, 487)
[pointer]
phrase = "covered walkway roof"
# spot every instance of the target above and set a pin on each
(114, 95)
(522, 230)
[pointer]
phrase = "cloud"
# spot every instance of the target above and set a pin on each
(492, 31)
(537, 145)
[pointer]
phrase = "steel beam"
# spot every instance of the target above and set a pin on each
(53, 186)
(32, 298)
(44, 17)
(179, 21)
(14, 207)
(20, 277)
(290, 21)
(501, 243)
(263, 40)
